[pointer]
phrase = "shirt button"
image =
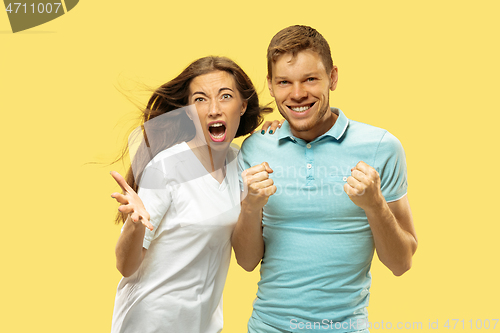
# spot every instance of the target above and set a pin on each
(344, 179)
(308, 146)
(309, 166)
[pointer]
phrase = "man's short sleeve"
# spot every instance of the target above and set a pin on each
(155, 195)
(390, 162)
(242, 166)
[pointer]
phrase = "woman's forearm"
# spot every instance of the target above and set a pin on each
(247, 240)
(129, 250)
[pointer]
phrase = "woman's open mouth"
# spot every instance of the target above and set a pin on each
(217, 130)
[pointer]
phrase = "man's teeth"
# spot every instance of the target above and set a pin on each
(300, 108)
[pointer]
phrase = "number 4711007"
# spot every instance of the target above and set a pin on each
(478, 324)
(41, 8)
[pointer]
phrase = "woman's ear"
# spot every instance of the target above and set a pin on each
(243, 108)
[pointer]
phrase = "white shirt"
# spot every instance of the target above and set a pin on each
(178, 286)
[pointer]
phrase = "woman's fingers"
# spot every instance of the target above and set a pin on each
(121, 181)
(262, 184)
(130, 202)
(268, 168)
(126, 209)
(265, 126)
(272, 126)
(275, 124)
(137, 218)
(120, 198)
(147, 224)
(256, 173)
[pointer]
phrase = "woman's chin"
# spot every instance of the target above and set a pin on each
(219, 145)
(220, 142)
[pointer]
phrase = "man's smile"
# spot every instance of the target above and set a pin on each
(301, 108)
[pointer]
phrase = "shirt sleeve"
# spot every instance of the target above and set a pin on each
(241, 168)
(246, 151)
(390, 162)
(156, 197)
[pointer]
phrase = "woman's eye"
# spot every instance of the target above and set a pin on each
(226, 96)
(199, 99)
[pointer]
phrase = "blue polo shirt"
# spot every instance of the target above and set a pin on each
(315, 273)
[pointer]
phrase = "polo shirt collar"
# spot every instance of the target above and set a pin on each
(337, 131)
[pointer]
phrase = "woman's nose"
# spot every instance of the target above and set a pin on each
(214, 109)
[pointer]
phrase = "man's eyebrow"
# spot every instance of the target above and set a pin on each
(311, 74)
(304, 76)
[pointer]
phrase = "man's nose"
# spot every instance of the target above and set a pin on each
(298, 92)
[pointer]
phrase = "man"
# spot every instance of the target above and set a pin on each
(320, 195)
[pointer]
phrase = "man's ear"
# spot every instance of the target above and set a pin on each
(270, 86)
(334, 77)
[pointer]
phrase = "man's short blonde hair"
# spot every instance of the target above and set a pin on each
(297, 38)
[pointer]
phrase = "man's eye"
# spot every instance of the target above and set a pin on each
(282, 83)
(310, 79)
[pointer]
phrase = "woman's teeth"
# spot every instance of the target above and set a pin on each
(217, 130)
(217, 136)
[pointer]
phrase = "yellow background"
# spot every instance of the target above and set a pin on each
(427, 71)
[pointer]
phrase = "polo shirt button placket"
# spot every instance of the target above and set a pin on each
(309, 155)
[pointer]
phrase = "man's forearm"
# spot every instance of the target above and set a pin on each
(395, 246)
(247, 240)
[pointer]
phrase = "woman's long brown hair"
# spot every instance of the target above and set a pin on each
(174, 95)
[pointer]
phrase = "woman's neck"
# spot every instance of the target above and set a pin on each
(213, 160)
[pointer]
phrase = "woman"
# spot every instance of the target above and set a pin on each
(174, 249)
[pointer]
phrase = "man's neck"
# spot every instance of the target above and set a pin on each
(323, 126)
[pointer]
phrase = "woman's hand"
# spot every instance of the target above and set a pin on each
(258, 186)
(273, 124)
(130, 202)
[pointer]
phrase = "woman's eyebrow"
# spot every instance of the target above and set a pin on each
(220, 90)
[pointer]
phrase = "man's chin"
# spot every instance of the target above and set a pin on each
(300, 126)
